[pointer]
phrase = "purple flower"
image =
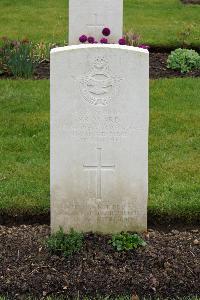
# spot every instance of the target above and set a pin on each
(144, 46)
(122, 41)
(83, 38)
(91, 40)
(104, 41)
(106, 31)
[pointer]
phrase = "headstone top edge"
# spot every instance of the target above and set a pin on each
(92, 46)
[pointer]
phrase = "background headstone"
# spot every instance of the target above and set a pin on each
(89, 17)
(99, 138)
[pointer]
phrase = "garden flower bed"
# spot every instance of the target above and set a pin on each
(167, 267)
(158, 68)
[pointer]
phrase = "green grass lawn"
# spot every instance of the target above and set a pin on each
(158, 21)
(174, 157)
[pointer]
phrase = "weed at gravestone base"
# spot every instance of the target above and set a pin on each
(65, 244)
(126, 241)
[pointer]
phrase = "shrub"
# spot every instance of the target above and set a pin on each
(66, 244)
(126, 241)
(184, 60)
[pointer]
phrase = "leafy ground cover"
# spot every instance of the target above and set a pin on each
(174, 158)
(163, 23)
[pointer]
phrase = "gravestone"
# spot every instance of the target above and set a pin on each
(99, 138)
(89, 17)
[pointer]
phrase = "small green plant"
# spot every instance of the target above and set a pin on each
(21, 62)
(61, 243)
(17, 58)
(184, 60)
(126, 241)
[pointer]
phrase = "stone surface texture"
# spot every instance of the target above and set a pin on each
(89, 17)
(99, 138)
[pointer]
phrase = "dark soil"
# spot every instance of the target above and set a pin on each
(158, 68)
(191, 1)
(161, 222)
(43, 70)
(167, 267)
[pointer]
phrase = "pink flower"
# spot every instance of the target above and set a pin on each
(91, 40)
(144, 46)
(83, 38)
(104, 41)
(122, 41)
(106, 31)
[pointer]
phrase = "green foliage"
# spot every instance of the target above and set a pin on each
(184, 60)
(66, 244)
(16, 58)
(20, 58)
(20, 62)
(126, 241)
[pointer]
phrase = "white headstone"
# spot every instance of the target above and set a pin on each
(89, 17)
(99, 138)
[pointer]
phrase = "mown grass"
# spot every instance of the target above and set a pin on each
(159, 22)
(174, 157)
(24, 146)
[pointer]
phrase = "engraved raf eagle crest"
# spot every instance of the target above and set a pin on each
(98, 86)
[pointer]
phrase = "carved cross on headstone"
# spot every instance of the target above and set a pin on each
(99, 167)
